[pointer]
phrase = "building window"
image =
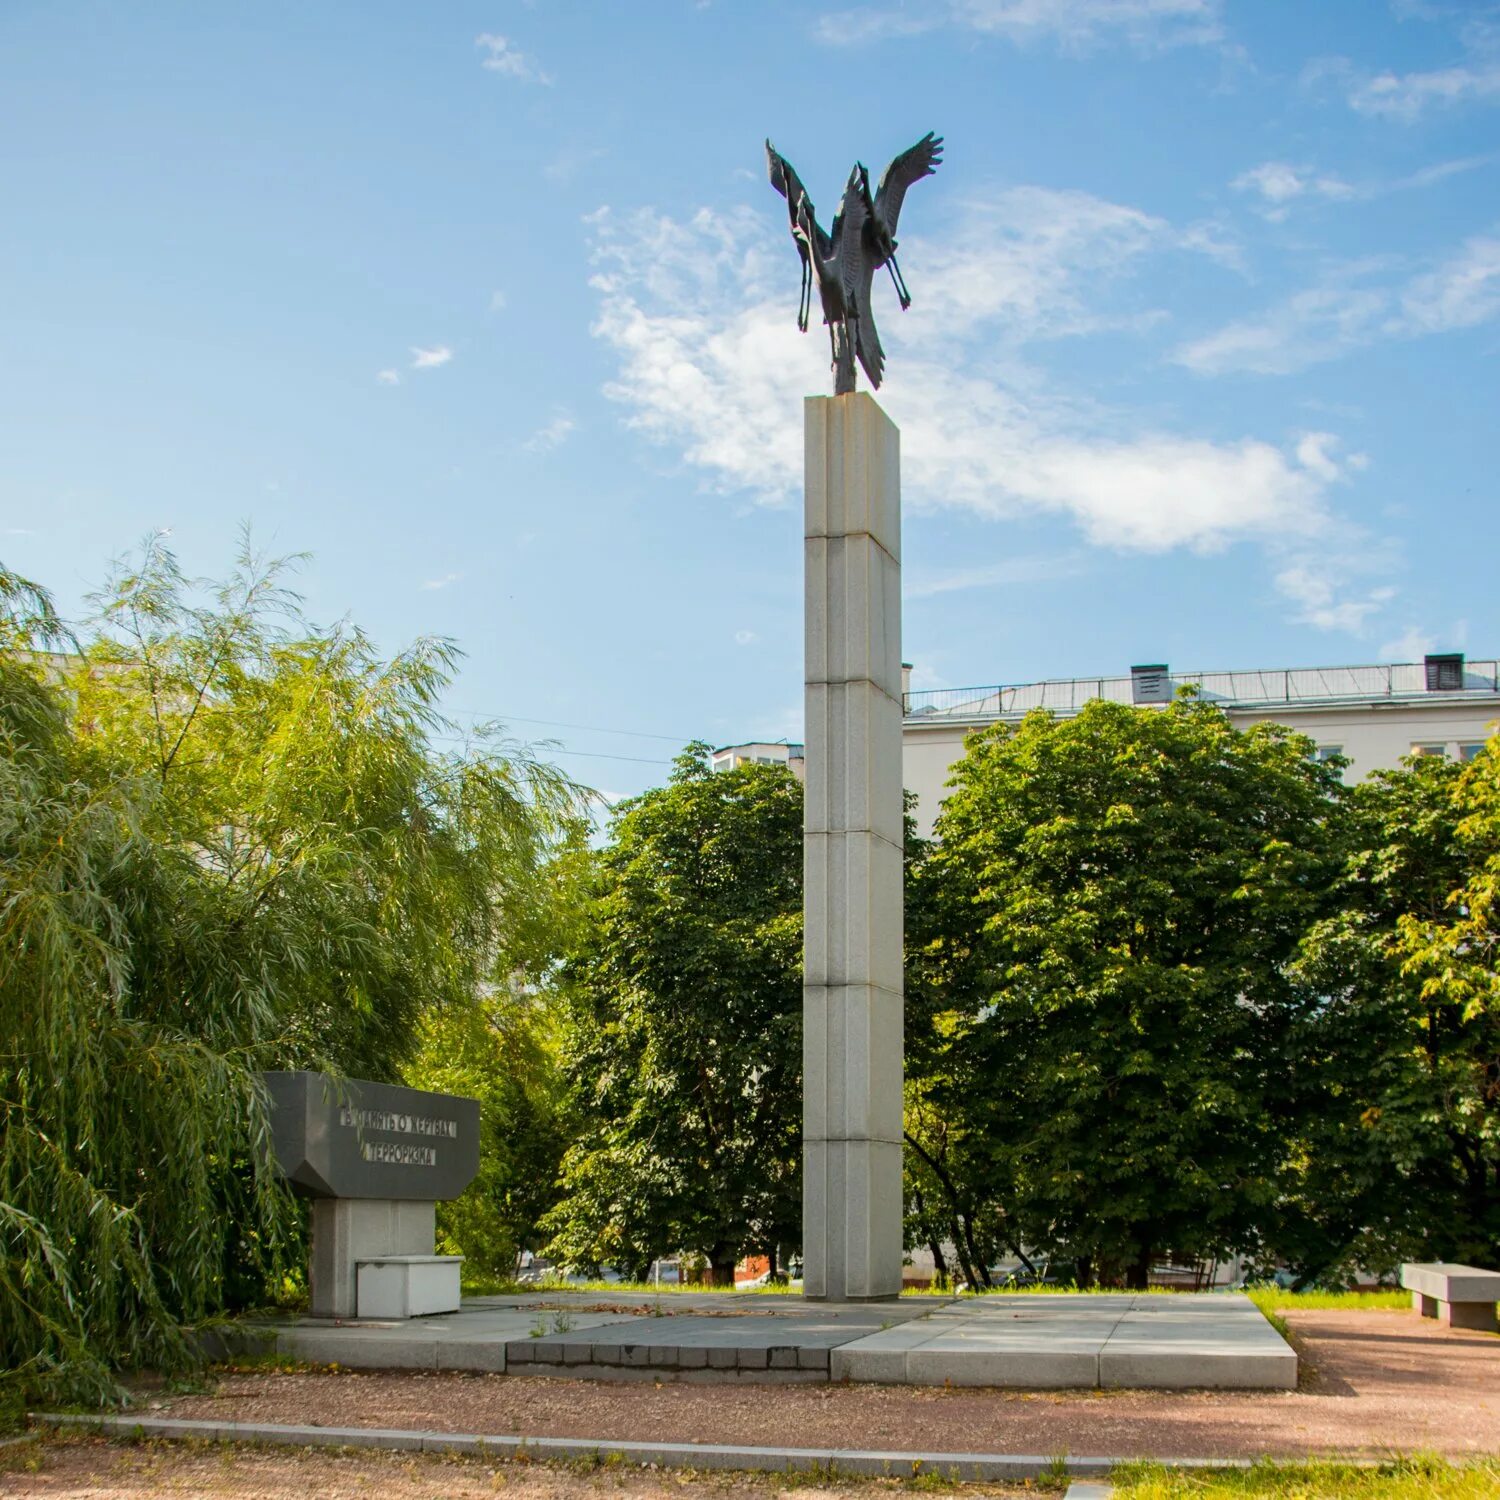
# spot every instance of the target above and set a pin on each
(1470, 752)
(1434, 749)
(1327, 752)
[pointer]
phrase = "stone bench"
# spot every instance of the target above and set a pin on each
(407, 1286)
(1462, 1296)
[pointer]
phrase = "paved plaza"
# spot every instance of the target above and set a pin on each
(1043, 1342)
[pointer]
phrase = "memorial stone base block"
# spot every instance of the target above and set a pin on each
(375, 1159)
(350, 1232)
(852, 845)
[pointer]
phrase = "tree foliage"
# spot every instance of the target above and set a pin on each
(227, 842)
(683, 1041)
(1099, 972)
(1399, 1150)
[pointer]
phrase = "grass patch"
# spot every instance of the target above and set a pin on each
(1417, 1478)
(1273, 1299)
(495, 1286)
(1070, 1289)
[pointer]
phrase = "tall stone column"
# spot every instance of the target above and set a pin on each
(852, 845)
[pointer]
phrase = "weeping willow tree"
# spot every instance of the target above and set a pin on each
(228, 841)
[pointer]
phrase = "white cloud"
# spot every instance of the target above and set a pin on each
(1314, 585)
(430, 359)
(745, 637)
(497, 301)
(1012, 572)
(1071, 23)
(1405, 96)
(508, 60)
(1411, 645)
(1279, 183)
(551, 436)
(1460, 293)
(700, 317)
(1328, 321)
(19, 531)
(1316, 454)
(388, 377)
(443, 582)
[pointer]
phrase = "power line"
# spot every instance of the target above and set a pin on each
(638, 734)
(640, 760)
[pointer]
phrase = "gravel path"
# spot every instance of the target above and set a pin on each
(1380, 1382)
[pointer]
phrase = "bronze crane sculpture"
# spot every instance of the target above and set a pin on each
(844, 261)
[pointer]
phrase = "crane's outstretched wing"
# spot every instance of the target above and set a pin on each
(785, 180)
(920, 161)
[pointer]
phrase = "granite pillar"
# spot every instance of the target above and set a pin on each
(852, 849)
(346, 1231)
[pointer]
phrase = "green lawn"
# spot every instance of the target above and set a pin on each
(497, 1286)
(1404, 1479)
(1271, 1299)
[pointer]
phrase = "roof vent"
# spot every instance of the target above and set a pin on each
(1151, 684)
(1445, 674)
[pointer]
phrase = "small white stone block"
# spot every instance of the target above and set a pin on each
(408, 1286)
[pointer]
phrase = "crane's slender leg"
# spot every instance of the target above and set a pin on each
(898, 282)
(805, 306)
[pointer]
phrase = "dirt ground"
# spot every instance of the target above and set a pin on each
(95, 1469)
(1375, 1383)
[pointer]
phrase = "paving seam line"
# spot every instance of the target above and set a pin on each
(848, 1461)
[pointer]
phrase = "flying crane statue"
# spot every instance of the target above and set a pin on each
(843, 263)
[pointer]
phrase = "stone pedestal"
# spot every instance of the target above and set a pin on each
(346, 1231)
(852, 843)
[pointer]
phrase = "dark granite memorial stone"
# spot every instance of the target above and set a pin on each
(357, 1139)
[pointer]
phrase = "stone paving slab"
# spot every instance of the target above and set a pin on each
(783, 1342)
(453, 1341)
(1044, 1342)
(1026, 1341)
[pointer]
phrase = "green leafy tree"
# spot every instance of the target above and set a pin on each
(227, 842)
(684, 1030)
(1099, 986)
(300, 769)
(503, 1052)
(1400, 1156)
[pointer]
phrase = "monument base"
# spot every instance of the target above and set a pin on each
(346, 1231)
(852, 1220)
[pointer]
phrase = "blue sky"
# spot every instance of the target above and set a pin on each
(490, 307)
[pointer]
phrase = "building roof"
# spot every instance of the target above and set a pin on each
(1281, 689)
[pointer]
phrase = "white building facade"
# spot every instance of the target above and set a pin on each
(761, 753)
(1374, 715)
